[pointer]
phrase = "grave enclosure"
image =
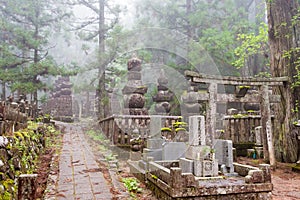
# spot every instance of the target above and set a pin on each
(200, 164)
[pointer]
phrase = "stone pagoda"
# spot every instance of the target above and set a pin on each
(163, 96)
(134, 90)
(60, 103)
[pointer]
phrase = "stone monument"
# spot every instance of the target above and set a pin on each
(163, 96)
(60, 103)
(199, 157)
(134, 90)
(191, 105)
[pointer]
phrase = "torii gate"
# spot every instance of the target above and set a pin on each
(263, 97)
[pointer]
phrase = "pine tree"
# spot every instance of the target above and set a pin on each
(99, 28)
(29, 24)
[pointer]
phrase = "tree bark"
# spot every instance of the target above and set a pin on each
(101, 96)
(283, 38)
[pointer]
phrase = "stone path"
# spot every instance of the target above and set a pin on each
(79, 176)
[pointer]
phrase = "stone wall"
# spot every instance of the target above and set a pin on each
(18, 155)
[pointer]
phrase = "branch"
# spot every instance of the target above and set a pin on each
(84, 24)
(89, 5)
(14, 65)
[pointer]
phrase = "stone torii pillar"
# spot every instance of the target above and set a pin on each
(266, 123)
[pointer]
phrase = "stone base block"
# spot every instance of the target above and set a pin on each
(135, 111)
(205, 168)
(259, 151)
(197, 152)
(186, 165)
(210, 168)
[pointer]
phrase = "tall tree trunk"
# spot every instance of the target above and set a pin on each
(283, 39)
(101, 96)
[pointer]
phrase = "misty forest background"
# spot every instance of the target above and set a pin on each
(92, 40)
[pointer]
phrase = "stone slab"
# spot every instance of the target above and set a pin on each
(186, 165)
(155, 126)
(173, 150)
(156, 154)
(224, 153)
(197, 130)
(258, 135)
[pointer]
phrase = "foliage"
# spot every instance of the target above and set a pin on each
(25, 146)
(96, 135)
(251, 44)
(131, 185)
(27, 27)
(210, 25)
(292, 55)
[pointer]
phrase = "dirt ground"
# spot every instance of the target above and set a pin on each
(286, 182)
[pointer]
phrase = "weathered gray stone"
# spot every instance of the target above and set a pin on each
(155, 153)
(232, 111)
(155, 126)
(197, 130)
(155, 143)
(210, 168)
(190, 97)
(259, 152)
(198, 168)
(197, 152)
(186, 165)
(255, 176)
(135, 156)
(142, 164)
(191, 108)
(258, 135)
(134, 75)
(266, 172)
(173, 150)
(224, 153)
(243, 170)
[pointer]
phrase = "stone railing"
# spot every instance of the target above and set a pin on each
(121, 128)
(240, 128)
